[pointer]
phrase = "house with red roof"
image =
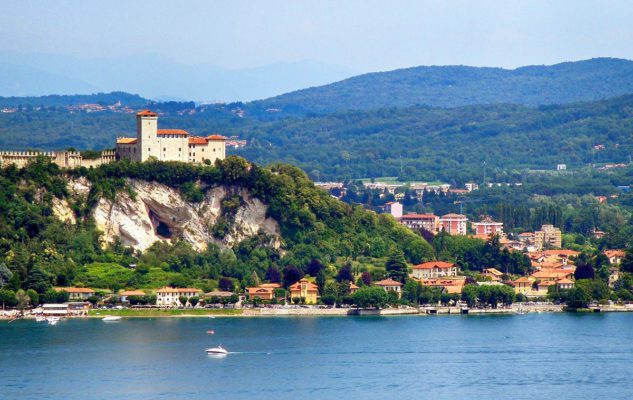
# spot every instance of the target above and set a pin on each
(168, 144)
(434, 269)
(389, 285)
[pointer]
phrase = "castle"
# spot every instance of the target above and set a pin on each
(149, 143)
(168, 144)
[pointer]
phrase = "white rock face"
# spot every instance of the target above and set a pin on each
(157, 212)
(62, 210)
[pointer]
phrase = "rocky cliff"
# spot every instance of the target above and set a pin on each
(148, 212)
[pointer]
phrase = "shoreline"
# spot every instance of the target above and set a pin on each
(333, 312)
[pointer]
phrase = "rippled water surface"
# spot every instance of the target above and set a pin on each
(554, 356)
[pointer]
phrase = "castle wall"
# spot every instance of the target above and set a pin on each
(63, 159)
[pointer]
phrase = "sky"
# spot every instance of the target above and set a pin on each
(358, 35)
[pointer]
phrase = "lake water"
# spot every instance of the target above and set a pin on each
(554, 356)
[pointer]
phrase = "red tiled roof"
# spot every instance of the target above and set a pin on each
(146, 113)
(388, 282)
(310, 286)
(172, 132)
(197, 140)
(434, 264)
(132, 293)
(216, 137)
(562, 252)
(74, 290)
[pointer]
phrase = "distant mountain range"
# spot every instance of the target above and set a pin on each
(157, 77)
(454, 86)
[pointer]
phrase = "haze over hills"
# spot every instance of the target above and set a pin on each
(157, 77)
(453, 86)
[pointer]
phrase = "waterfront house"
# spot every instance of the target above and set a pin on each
(389, 285)
(523, 285)
(170, 297)
(564, 283)
(75, 293)
(55, 310)
(448, 285)
(306, 290)
(434, 269)
(124, 295)
(263, 293)
(352, 288)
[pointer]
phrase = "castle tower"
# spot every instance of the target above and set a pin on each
(147, 135)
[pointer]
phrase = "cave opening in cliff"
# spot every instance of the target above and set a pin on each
(161, 228)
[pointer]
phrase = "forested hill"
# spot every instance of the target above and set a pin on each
(425, 143)
(452, 86)
(55, 100)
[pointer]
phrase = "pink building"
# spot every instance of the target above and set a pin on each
(488, 227)
(454, 224)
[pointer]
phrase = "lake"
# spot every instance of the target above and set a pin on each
(561, 356)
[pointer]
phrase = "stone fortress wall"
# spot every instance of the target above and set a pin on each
(64, 159)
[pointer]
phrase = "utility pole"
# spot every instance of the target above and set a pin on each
(484, 172)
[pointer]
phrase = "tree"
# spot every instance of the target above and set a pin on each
(183, 300)
(291, 275)
(272, 274)
(584, 269)
(34, 297)
(577, 297)
(366, 278)
(396, 266)
(320, 280)
(626, 265)
(194, 301)
(225, 284)
(314, 267)
(411, 291)
(370, 296)
(22, 300)
(5, 275)
(345, 273)
(7, 298)
(255, 279)
(37, 280)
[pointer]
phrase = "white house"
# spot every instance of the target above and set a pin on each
(434, 269)
(170, 297)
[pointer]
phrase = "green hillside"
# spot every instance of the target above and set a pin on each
(453, 86)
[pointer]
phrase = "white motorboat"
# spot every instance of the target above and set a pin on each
(53, 320)
(110, 318)
(217, 351)
(40, 318)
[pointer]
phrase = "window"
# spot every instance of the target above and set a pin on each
(180, 149)
(164, 149)
(203, 150)
(148, 149)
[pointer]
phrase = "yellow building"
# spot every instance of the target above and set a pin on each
(305, 289)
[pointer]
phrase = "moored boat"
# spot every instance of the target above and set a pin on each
(110, 318)
(217, 350)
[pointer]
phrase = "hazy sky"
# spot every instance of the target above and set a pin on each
(361, 35)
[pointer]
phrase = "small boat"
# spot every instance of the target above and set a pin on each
(217, 350)
(110, 318)
(211, 332)
(40, 318)
(53, 320)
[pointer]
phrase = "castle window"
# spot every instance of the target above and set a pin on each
(179, 149)
(203, 150)
(149, 149)
(164, 149)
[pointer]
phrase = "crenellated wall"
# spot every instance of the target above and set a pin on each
(64, 159)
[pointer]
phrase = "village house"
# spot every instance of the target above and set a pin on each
(75, 293)
(493, 273)
(434, 269)
(488, 227)
(523, 285)
(265, 291)
(428, 222)
(614, 256)
(565, 283)
(454, 224)
(306, 290)
(352, 288)
(126, 294)
(168, 144)
(170, 297)
(614, 276)
(448, 285)
(389, 285)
